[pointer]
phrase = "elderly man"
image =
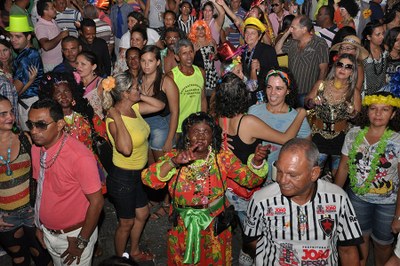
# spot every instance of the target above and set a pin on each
(302, 220)
(308, 55)
(69, 199)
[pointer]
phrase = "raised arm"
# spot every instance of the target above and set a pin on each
(150, 105)
(279, 44)
(236, 20)
(221, 15)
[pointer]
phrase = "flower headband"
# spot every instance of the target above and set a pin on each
(284, 76)
(108, 83)
(53, 79)
(3, 37)
(380, 99)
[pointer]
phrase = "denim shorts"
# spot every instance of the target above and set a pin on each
(335, 160)
(159, 128)
(126, 192)
(374, 219)
(20, 217)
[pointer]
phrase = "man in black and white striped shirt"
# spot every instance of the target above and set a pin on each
(302, 220)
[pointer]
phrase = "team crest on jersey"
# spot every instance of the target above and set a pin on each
(251, 221)
(270, 211)
(320, 209)
(327, 225)
(287, 255)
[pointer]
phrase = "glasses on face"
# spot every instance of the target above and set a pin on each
(171, 38)
(345, 66)
(274, 5)
(41, 125)
(346, 49)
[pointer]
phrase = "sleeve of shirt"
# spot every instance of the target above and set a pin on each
(78, 16)
(41, 32)
(323, 51)
(348, 140)
(349, 231)
(305, 129)
(286, 46)
(253, 226)
(87, 173)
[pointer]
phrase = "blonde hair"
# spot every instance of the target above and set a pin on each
(123, 83)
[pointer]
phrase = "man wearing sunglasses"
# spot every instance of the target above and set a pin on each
(277, 15)
(69, 199)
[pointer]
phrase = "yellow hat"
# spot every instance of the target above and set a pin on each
(254, 23)
(19, 23)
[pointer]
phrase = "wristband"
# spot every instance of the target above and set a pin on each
(257, 166)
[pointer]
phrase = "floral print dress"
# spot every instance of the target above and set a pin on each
(189, 189)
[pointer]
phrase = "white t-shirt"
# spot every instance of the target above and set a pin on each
(152, 38)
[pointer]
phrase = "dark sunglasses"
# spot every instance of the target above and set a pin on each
(42, 125)
(345, 66)
(274, 5)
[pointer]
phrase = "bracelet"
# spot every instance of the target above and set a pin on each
(396, 217)
(257, 167)
(172, 163)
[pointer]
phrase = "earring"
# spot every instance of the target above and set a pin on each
(73, 103)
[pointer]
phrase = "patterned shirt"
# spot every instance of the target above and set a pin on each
(292, 234)
(8, 90)
(304, 63)
(185, 26)
(67, 18)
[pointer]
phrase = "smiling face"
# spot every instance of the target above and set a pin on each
(89, 33)
(63, 95)
(208, 13)
(380, 114)
(276, 91)
(149, 63)
(7, 117)
(137, 40)
(200, 134)
(295, 175)
(84, 67)
(344, 68)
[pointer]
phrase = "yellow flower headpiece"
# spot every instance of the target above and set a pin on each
(108, 83)
(367, 13)
(380, 99)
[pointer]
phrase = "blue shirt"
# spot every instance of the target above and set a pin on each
(279, 122)
(26, 58)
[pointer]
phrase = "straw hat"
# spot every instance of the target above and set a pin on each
(355, 41)
(254, 23)
(19, 23)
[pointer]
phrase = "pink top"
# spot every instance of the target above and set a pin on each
(275, 21)
(66, 182)
(49, 29)
(214, 32)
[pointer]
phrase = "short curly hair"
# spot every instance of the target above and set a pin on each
(197, 118)
(231, 96)
(351, 7)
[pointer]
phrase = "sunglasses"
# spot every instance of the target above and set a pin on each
(41, 125)
(274, 5)
(345, 66)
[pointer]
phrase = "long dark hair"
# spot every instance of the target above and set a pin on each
(159, 72)
(368, 30)
(197, 118)
(390, 38)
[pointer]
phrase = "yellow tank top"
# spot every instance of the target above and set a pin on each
(139, 131)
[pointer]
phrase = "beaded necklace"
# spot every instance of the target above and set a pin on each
(7, 161)
(364, 188)
(48, 164)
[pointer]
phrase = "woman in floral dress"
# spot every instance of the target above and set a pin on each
(197, 172)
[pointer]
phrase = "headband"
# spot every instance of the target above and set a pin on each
(380, 99)
(281, 74)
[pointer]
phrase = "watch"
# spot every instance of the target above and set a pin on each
(81, 242)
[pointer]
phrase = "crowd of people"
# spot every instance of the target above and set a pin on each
(280, 116)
